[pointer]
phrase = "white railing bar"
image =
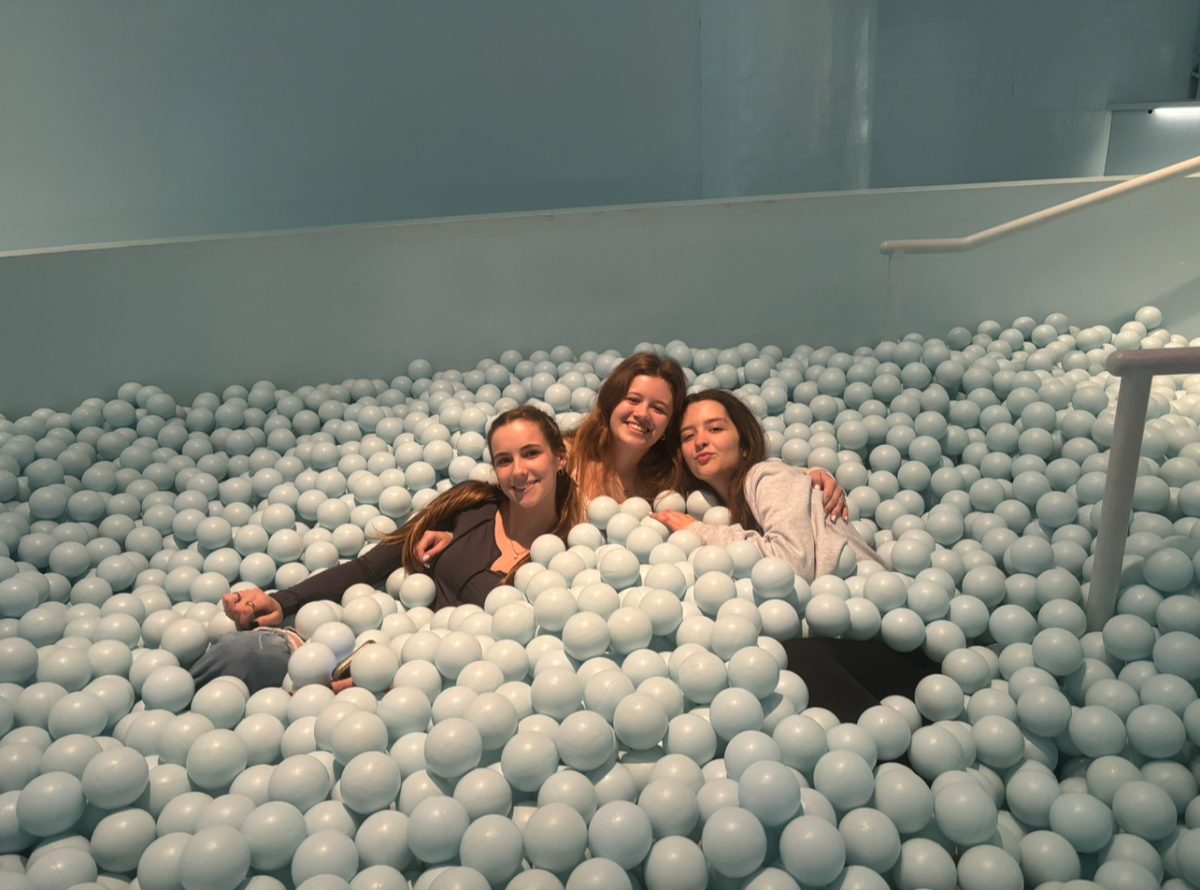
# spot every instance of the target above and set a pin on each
(955, 245)
(1135, 370)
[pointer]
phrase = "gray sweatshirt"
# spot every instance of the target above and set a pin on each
(793, 522)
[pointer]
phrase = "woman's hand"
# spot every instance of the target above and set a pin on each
(833, 496)
(252, 608)
(673, 520)
(431, 546)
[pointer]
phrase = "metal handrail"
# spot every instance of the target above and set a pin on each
(895, 249)
(1135, 370)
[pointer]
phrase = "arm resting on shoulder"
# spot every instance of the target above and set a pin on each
(373, 568)
(780, 497)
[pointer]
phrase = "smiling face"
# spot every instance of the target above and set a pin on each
(641, 417)
(712, 448)
(526, 465)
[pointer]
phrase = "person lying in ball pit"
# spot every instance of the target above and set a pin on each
(469, 539)
(627, 444)
(772, 506)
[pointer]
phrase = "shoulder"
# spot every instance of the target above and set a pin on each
(772, 472)
(467, 519)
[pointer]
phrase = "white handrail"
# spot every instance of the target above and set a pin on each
(896, 249)
(956, 245)
(1135, 370)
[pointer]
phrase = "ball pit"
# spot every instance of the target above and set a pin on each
(622, 715)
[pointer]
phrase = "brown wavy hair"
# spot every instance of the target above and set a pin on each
(591, 440)
(470, 494)
(751, 442)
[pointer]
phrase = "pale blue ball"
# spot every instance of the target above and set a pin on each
(325, 852)
(50, 804)
(987, 867)
(924, 863)
(492, 845)
(273, 832)
(769, 791)
(115, 778)
(1097, 731)
(812, 850)
(670, 805)
(300, 780)
(1144, 809)
(598, 874)
(734, 842)
(1046, 856)
(621, 832)
(845, 778)
(1083, 820)
(965, 812)
(555, 838)
(675, 863)
(214, 857)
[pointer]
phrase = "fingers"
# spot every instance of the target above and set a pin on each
(339, 685)
(238, 609)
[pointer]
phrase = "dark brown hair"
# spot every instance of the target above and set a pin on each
(470, 494)
(591, 440)
(751, 443)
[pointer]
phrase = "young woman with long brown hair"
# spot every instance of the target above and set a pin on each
(469, 539)
(626, 445)
(772, 506)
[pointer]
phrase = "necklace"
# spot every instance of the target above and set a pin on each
(515, 550)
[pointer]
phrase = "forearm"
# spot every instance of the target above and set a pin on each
(373, 568)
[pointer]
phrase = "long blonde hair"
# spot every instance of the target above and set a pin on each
(468, 495)
(591, 440)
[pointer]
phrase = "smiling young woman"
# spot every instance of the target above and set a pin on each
(626, 445)
(469, 540)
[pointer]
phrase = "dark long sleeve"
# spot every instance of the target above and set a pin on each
(373, 568)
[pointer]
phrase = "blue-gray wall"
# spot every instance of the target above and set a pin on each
(980, 91)
(361, 301)
(130, 119)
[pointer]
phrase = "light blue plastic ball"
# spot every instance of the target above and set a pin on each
(1046, 856)
(987, 867)
(325, 852)
(50, 804)
(1143, 809)
(734, 842)
(675, 863)
(812, 850)
(493, 845)
(1083, 820)
(214, 857)
(115, 778)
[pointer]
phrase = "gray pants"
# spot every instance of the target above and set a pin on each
(258, 657)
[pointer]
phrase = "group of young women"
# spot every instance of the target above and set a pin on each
(644, 435)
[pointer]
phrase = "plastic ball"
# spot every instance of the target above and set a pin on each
(812, 850)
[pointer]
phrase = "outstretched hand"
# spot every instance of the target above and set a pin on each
(431, 545)
(252, 608)
(833, 496)
(673, 519)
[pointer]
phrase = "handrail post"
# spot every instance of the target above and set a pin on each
(1132, 399)
(1136, 369)
(891, 327)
